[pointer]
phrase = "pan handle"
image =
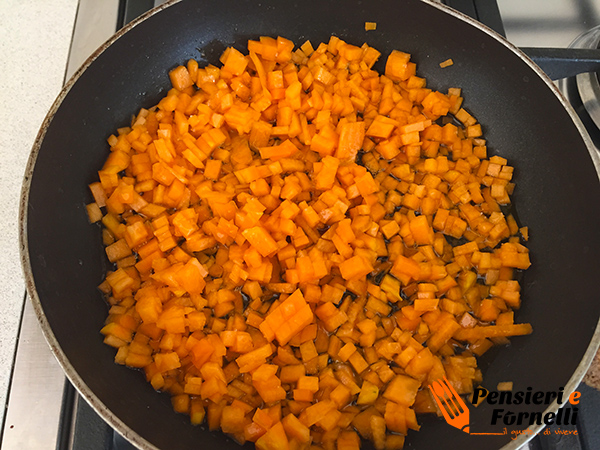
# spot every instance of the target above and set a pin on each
(564, 62)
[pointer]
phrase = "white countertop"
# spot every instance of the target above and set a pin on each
(35, 37)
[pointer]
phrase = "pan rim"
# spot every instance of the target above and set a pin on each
(113, 420)
(594, 344)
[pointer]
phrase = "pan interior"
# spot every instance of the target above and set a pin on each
(557, 191)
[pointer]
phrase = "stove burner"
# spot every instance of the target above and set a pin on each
(583, 91)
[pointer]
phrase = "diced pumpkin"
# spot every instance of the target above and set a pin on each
(284, 233)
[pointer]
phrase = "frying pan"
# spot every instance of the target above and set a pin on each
(525, 120)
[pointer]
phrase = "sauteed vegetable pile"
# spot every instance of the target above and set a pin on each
(301, 245)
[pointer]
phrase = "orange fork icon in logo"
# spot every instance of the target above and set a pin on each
(453, 407)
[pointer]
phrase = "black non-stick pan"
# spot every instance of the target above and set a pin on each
(524, 119)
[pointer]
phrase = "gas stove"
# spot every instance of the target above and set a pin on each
(45, 412)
